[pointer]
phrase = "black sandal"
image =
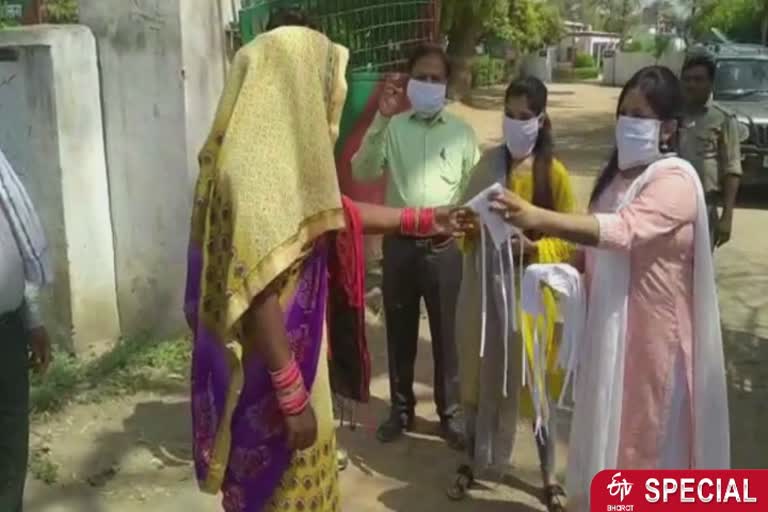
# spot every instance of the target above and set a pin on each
(555, 498)
(465, 479)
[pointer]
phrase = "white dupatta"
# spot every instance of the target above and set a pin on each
(594, 441)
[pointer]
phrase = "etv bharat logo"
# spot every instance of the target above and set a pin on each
(619, 488)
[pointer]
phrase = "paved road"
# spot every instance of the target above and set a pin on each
(147, 437)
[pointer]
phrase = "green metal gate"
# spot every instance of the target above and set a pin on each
(378, 33)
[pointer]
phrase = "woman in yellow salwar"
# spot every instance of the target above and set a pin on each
(525, 165)
(276, 255)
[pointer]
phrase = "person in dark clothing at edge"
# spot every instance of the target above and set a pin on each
(428, 154)
(25, 268)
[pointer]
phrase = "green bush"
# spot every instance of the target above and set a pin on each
(586, 73)
(488, 71)
(584, 60)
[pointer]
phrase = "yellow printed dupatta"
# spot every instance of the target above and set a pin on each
(268, 188)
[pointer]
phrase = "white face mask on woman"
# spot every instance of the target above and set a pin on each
(427, 98)
(637, 141)
(520, 136)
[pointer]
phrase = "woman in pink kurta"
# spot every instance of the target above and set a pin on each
(656, 230)
(650, 388)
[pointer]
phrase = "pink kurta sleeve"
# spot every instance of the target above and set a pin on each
(667, 202)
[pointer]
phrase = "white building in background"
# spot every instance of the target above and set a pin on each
(580, 38)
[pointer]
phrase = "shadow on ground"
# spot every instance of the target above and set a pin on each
(117, 460)
(420, 467)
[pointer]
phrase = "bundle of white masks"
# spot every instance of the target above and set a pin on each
(566, 282)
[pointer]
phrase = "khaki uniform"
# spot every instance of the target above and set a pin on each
(709, 139)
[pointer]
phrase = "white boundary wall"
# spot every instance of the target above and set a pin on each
(617, 70)
(51, 131)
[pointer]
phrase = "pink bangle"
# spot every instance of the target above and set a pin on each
(286, 376)
(292, 396)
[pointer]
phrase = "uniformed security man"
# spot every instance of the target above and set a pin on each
(709, 139)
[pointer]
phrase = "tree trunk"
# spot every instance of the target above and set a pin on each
(34, 13)
(463, 38)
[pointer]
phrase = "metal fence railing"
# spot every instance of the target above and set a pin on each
(378, 33)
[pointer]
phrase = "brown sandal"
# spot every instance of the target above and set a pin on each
(464, 480)
(555, 498)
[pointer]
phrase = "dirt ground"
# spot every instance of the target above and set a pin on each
(133, 454)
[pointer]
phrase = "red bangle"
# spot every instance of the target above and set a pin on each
(408, 221)
(426, 221)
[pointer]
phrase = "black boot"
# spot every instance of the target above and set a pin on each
(394, 427)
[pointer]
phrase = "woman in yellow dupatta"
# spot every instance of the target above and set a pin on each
(262, 245)
(525, 165)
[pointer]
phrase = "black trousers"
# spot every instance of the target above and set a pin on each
(14, 411)
(416, 269)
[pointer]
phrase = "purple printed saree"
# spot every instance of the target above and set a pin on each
(258, 455)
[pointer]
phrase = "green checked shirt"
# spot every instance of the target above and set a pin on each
(428, 161)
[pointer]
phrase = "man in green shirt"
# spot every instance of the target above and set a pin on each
(709, 139)
(428, 154)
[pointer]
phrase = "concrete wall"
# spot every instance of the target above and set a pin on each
(51, 131)
(618, 69)
(203, 52)
(160, 84)
(540, 64)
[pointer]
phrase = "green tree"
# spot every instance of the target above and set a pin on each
(465, 23)
(742, 20)
(609, 15)
(527, 24)
(60, 11)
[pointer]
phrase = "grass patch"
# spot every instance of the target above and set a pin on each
(42, 468)
(132, 366)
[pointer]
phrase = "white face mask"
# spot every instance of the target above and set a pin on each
(637, 141)
(427, 98)
(521, 136)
